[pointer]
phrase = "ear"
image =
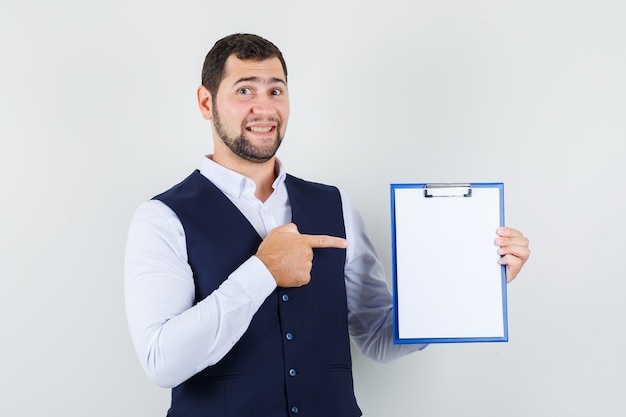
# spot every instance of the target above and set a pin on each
(205, 102)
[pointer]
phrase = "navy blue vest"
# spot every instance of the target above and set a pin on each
(294, 359)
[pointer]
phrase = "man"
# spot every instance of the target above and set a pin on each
(241, 287)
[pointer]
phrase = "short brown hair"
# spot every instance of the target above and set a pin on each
(244, 46)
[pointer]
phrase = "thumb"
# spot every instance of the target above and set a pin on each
(288, 228)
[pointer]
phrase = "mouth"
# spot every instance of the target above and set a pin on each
(261, 129)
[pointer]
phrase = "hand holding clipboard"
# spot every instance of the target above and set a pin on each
(449, 282)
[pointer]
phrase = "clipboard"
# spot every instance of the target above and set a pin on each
(448, 286)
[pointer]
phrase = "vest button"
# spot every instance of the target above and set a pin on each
(292, 372)
(285, 297)
(288, 336)
(294, 409)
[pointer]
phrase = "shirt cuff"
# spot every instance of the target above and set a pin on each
(254, 279)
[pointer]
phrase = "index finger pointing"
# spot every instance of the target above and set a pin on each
(325, 241)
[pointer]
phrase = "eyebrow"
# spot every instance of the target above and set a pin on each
(272, 80)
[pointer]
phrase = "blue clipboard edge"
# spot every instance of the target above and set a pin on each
(397, 339)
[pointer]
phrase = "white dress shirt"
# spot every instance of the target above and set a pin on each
(176, 339)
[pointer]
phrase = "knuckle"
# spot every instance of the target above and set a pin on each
(304, 279)
(306, 251)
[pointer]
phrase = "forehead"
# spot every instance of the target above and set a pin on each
(267, 70)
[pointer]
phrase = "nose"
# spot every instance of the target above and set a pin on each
(263, 106)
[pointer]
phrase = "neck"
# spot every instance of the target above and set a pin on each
(262, 173)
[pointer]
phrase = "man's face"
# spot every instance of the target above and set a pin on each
(251, 109)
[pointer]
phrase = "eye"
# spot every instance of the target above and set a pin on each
(277, 92)
(245, 91)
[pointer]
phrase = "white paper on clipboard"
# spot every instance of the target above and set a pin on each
(447, 283)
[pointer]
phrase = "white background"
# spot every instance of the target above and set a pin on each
(98, 114)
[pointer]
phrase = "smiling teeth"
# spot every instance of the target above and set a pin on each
(260, 129)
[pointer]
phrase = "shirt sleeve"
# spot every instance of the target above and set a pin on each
(370, 304)
(174, 338)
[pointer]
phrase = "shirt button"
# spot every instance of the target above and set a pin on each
(294, 409)
(285, 297)
(292, 372)
(289, 336)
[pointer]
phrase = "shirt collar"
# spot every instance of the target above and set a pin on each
(233, 183)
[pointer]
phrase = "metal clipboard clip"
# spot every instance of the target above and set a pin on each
(447, 190)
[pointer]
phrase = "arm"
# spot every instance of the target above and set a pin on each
(174, 338)
(370, 304)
